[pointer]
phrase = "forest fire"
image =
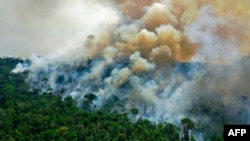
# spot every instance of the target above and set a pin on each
(168, 58)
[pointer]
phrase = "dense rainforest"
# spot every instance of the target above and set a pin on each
(27, 115)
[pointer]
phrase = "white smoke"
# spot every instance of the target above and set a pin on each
(40, 27)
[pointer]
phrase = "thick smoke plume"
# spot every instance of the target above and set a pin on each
(168, 58)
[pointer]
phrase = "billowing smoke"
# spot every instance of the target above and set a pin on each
(168, 58)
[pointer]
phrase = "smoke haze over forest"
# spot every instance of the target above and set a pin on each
(168, 58)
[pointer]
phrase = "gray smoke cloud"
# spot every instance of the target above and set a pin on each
(191, 63)
(204, 31)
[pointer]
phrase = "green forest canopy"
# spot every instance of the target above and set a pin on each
(27, 115)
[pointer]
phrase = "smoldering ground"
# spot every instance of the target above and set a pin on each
(169, 59)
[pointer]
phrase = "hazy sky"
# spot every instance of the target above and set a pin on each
(39, 26)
